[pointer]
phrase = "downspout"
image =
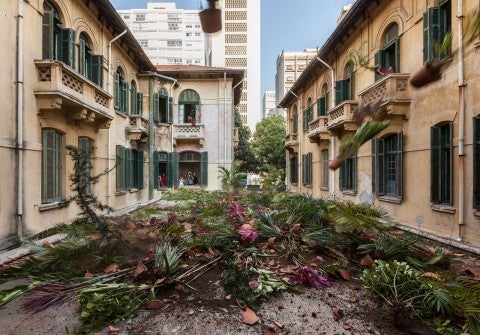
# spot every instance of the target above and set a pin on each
(20, 90)
(174, 83)
(461, 128)
(299, 161)
(109, 90)
(151, 140)
(225, 119)
(332, 142)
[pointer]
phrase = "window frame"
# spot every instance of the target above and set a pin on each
(348, 174)
(381, 156)
(441, 164)
(190, 98)
(52, 156)
(325, 169)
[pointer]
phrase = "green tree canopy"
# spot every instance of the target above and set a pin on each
(269, 142)
(244, 151)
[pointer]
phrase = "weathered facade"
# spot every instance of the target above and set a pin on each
(75, 75)
(425, 167)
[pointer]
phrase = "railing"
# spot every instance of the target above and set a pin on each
(318, 129)
(341, 116)
(188, 131)
(59, 85)
(138, 130)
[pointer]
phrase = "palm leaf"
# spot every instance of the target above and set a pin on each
(368, 130)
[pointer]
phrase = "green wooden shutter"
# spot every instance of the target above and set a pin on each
(82, 66)
(310, 168)
(116, 91)
(354, 173)
(343, 176)
(476, 163)
(435, 153)
(156, 108)
(204, 168)
(139, 168)
(51, 166)
(97, 69)
(322, 106)
(156, 169)
(399, 171)
(431, 32)
(379, 61)
(140, 103)
(120, 167)
(342, 90)
(172, 169)
(396, 63)
(170, 110)
(84, 165)
(449, 165)
(47, 35)
(379, 166)
(68, 47)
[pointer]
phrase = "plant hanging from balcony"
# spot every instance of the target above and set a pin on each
(211, 18)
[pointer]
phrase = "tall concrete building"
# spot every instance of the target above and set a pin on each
(290, 66)
(174, 36)
(167, 34)
(269, 105)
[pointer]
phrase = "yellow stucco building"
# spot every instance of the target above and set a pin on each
(425, 167)
(73, 74)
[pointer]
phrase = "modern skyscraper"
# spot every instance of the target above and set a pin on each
(174, 36)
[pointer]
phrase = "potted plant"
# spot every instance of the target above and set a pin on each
(431, 70)
(211, 18)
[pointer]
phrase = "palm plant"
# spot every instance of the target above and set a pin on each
(230, 178)
(167, 258)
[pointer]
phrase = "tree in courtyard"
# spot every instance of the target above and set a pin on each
(269, 142)
(244, 151)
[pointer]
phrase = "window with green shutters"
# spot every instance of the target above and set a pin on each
(164, 110)
(441, 155)
(51, 166)
(204, 168)
(294, 169)
(295, 123)
(307, 169)
(322, 102)
(348, 174)
(85, 165)
(136, 100)
(137, 167)
(57, 42)
(325, 169)
(172, 169)
(476, 163)
(389, 55)
(189, 107)
(120, 92)
(130, 164)
(89, 65)
(307, 114)
(387, 168)
(344, 89)
(436, 24)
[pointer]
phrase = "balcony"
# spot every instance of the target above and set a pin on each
(291, 143)
(340, 117)
(390, 95)
(61, 89)
(138, 130)
(317, 130)
(187, 132)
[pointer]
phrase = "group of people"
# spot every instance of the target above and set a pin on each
(190, 179)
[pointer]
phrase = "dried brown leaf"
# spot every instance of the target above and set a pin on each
(141, 268)
(344, 274)
(154, 304)
(367, 261)
(249, 317)
(337, 313)
(112, 268)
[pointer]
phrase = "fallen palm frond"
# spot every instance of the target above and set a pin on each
(11, 294)
(322, 236)
(110, 303)
(305, 210)
(368, 130)
(167, 257)
(266, 225)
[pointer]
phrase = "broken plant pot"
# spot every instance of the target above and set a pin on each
(429, 73)
(211, 20)
(336, 163)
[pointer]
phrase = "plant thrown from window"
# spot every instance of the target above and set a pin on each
(356, 57)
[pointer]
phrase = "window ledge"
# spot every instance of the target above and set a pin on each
(393, 200)
(444, 208)
(133, 190)
(120, 113)
(325, 188)
(120, 192)
(53, 205)
(349, 192)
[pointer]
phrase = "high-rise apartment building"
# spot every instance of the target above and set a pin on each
(269, 105)
(167, 34)
(290, 66)
(174, 36)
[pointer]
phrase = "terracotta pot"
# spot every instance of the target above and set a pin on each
(429, 73)
(211, 20)
(336, 163)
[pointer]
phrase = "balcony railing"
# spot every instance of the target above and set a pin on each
(390, 94)
(60, 88)
(138, 130)
(317, 130)
(291, 142)
(340, 117)
(187, 131)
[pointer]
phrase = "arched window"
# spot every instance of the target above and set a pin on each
(322, 102)
(295, 120)
(89, 65)
(345, 89)
(388, 58)
(120, 92)
(189, 107)
(57, 42)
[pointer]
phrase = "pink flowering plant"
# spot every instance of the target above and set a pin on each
(247, 233)
(309, 276)
(236, 211)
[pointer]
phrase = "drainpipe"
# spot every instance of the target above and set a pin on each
(19, 146)
(299, 138)
(461, 128)
(109, 90)
(225, 119)
(332, 142)
(151, 141)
